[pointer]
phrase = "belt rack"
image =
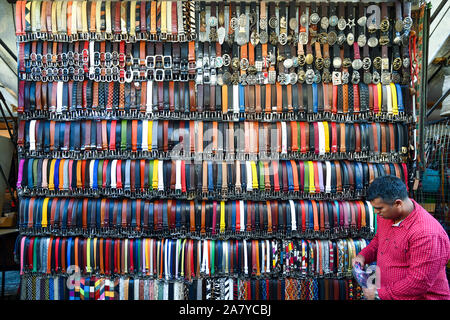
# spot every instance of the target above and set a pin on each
(171, 148)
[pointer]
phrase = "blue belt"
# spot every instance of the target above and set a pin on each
(241, 98)
(233, 216)
(30, 173)
(119, 216)
(290, 176)
(399, 98)
(89, 211)
(57, 174)
(178, 215)
(165, 215)
(245, 215)
(69, 251)
(288, 217)
(40, 134)
(345, 176)
(32, 105)
(132, 206)
(61, 132)
(27, 95)
(38, 217)
(64, 216)
(150, 216)
(23, 213)
(311, 215)
(219, 255)
(127, 184)
(83, 135)
(170, 135)
(57, 135)
(73, 105)
(338, 213)
(315, 98)
(74, 135)
(173, 259)
(243, 176)
(95, 175)
(98, 213)
(210, 177)
(359, 176)
(65, 97)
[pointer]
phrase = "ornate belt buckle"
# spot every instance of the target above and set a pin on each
(384, 40)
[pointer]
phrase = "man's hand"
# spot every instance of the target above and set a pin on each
(359, 258)
(369, 294)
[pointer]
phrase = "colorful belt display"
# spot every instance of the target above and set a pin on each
(187, 259)
(188, 100)
(212, 219)
(202, 179)
(189, 150)
(213, 140)
(35, 287)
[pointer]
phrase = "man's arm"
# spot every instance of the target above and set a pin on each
(370, 252)
(426, 256)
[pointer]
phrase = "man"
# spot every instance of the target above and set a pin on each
(410, 247)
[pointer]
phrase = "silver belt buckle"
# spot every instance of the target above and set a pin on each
(167, 62)
(159, 75)
(168, 75)
(159, 63)
(150, 62)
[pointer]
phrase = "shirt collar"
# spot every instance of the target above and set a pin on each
(406, 222)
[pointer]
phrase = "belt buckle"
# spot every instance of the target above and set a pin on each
(167, 62)
(142, 75)
(163, 36)
(159, 75)
(168, 75)
(159, 61)
(150, 62)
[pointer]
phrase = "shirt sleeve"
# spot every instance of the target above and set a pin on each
(426, 256)
(370, 252)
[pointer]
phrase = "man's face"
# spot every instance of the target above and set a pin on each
(385, 210)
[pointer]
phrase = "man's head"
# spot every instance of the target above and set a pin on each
(387, 195)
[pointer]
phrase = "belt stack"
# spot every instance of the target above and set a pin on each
(190, 150)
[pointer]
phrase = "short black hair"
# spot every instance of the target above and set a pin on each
(388, 188)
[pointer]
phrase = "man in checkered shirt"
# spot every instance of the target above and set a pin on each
(411, 248)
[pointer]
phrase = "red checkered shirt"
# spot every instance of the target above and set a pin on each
(411, 257)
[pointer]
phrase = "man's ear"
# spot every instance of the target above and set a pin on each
(398, 203)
